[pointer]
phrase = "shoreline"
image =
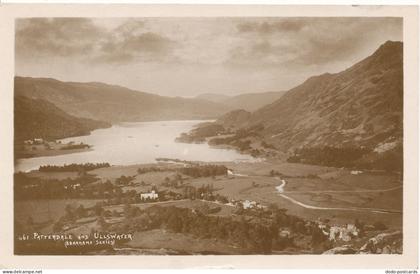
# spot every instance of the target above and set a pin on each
(54, 152)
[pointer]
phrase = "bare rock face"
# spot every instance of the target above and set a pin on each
(384, 243)
(345, 249)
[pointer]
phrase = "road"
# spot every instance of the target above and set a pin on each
(281, 191)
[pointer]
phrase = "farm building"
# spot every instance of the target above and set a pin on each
(152, 195)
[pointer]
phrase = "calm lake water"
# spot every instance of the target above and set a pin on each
(136, 143)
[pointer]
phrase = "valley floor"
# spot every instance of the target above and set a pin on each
(313, 193)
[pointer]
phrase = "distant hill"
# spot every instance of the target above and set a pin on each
(234, 119)
(114, 103)
(37, 118)
(213, 97)
(247, 101)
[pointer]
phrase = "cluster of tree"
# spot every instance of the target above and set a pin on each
(253, 236)
(275, 173)
(176, 160)
(391, 160)
(73, 167)
(328, 156)
(239, 139)
(199, 134)
(85, 187)
(143, 170)
(204, 170)
(234, 141)
(204, 192)
(175, 182)
(26, 187)
(124, 180)
(75, 146)
(351, 157)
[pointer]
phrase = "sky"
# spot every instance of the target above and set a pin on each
(191, 56)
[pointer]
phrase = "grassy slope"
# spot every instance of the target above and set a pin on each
(36, 118)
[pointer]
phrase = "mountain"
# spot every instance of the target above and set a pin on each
(352, 118)
(247, 101)
(360, 106)
(37, 118)
(234, 119)
(114, 103)
(213, 97)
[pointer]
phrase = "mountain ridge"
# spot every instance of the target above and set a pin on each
(114, 104)
(37, 118)
(345, 105)
(246, 101)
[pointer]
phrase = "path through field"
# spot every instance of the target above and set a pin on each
(281, 191)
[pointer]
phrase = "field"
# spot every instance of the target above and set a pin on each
(316, 186)
(44, 210)
(193, 204)
(162, 239)
(48, 149)
(309, 192)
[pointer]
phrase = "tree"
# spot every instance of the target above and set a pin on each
(80, 211)
(102, 223)
(378, 225)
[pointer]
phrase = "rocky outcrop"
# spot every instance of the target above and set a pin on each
(384, 243)
(345, 249)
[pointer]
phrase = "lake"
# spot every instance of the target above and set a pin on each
(136, 143)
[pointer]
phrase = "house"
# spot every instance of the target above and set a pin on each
(249, 204)
(284, 233)
(152, 195)
(38, 140)
(356, 172)
(344, 233)
(28, 142)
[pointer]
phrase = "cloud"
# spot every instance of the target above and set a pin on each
(130, 26)
(39, 37)
(298, 42)
(282, 25)
(214, 54)
(145, 46)
(86, 40)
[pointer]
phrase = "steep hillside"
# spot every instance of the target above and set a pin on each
(349, 119)
(247, 101)
(253, 101)
(236, 119)
(114, 103)
(37, 118)
(361, 107)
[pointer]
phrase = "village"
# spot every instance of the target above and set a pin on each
(199, 188)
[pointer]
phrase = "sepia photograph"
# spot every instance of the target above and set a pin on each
(208, 136)
(165, 135)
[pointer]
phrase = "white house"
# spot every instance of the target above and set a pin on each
(38, 140)
(344, 233)
(249, 204)
(152, 195)
(356, 172)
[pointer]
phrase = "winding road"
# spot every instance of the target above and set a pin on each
(280, 190)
